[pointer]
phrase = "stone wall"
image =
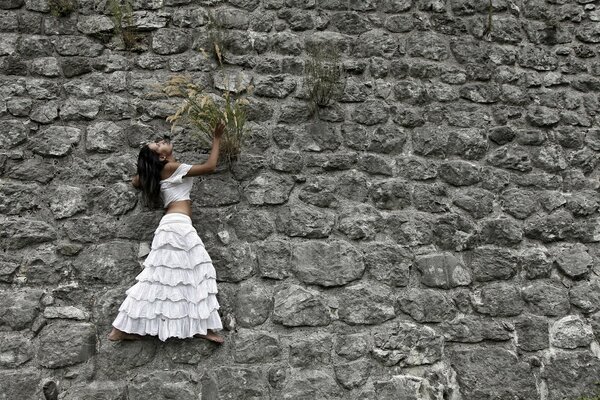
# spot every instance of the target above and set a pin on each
(431, 235)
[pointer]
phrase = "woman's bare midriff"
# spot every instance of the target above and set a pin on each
(181, 206)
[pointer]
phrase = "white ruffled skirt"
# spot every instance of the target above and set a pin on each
(175, 294)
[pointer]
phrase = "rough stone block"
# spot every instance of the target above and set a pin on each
(65, 343)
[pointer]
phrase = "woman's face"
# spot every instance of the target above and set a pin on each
(162, 147)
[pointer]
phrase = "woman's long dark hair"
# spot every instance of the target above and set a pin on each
(149, 167)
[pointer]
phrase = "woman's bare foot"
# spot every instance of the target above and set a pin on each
(116, 335)
(212, 336)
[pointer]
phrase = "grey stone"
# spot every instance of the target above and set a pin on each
(103, 137)
(256, 347)
(482, 373)
(240, 383)
(19, 307)
(469, 143)
(98, 389)
(491, 263)
(16, 198)
(216, 191)
(327, 263)
(77, 109)
(33, 170)
(532, 332)
(67, 312)
(459, 173)
(442, 271)
(510, 157)
(233, 264)
(190, 352)
(56, 141)
(353, 346)
(388, 263)
(253, 225)
(366, 304)
(427, 45)
(416, 168)
(275, 86)
(391, 194)
(536, 263)
(406, 387)
(574, 260)
(254, 303)
(499, 299)
(311, 350)
(67, 201)
(20, 383)
(519, 203)
(571, 332)
(407, 344)
(353, 374)
(19, 107)
(68, 45)
(549, 228)
(113, 362)
(571, 373)
(20, 232)
(310, 384)
(44, 113)
(477, 202)
(546, 299)
(472, 329)
(359, 222)
(65, 343)
(15, 349)
(95, 24)
(582, 204)
(111, 262)
(501, 231)
(13, 133)
(273, 259)
(303, 221)
(427, 141)
(371, 112)
(432, 198)
(586, 296)
(287, 161)
(426, 305)
(115, 200)
(170, 41)
(588, 32)
(297, 306)
(268, 188)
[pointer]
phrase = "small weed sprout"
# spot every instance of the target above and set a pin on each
(324, 76)
(122, 16)
(216, 39)
(62, 8)
(203, 111)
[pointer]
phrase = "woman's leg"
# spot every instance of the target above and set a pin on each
(212, 336)
(116, 335)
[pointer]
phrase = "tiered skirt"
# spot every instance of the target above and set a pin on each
(175, 294)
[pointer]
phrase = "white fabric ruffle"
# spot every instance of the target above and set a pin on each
(175, 294)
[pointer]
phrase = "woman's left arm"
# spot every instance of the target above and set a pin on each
(135, 181)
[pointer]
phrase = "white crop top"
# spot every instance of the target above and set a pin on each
(176, 187)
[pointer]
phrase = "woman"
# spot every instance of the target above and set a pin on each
(175, 295)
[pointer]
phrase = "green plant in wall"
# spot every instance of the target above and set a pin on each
(216, 38)
(488, 28)
(323, 75)
(62, 8)
(122, 16)
(203, 111)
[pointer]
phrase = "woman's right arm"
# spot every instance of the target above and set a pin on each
(211, 164)
(135, 181)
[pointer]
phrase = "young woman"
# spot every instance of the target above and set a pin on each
(175, 294)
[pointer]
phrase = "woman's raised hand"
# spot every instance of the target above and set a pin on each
(219, 129)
